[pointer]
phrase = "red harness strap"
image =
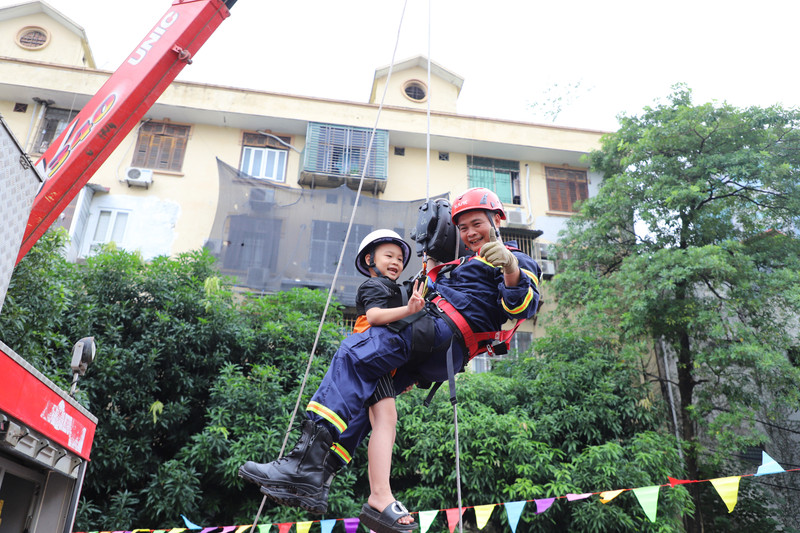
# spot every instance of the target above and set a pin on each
(476, 343)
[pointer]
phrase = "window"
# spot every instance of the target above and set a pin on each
(566, 187)
(32, 38)
(498, 175)
(264, 157)
(342, 151)
(267, 163)
(54, 122)
(326, 246)
(110, 227)
(415, 90)
(161, 146)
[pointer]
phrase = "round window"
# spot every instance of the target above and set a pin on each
(32, 38)
(415, 90)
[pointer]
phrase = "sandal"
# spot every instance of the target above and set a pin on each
(387, 521)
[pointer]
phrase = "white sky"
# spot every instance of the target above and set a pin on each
(511, 53)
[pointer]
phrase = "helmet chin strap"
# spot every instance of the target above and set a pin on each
(372, 264)
(490, 216)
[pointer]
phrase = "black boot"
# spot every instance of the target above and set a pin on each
(315, 503)
(300, 472)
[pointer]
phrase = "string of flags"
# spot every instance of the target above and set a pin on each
(726, 487)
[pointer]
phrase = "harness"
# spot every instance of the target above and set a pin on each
(491, 342)
(476, 343)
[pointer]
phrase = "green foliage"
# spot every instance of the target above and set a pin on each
(691, 246)
(190, 380)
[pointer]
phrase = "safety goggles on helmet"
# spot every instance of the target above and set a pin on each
(379, 236)
(477, 198)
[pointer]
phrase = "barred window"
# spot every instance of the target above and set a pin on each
(498, 175)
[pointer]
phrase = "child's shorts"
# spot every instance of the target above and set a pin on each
(385, 389)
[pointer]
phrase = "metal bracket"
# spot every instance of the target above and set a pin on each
(183, 54)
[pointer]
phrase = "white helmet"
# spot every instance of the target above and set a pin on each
(376, 237)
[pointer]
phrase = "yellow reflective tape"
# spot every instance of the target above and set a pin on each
(484, 261)
(339, 450)
(328, 415)
(522, 306)
(531, 275)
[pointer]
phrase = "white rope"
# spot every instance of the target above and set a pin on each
(341, 255)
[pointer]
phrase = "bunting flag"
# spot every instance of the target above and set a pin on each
(543, 504)
(190, 524)
(768, 465)
(728, 489)
(482, 514)
(609, 495)
(513, 511)
(648, 499)
(426, 518)
(452, 518)
(351, 524)
(572, 497)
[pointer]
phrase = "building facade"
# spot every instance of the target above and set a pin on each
(266, 181)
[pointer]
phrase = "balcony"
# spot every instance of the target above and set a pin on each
(338, 154)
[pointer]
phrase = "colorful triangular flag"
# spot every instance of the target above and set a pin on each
(648, 499)
(572, 497)
(514, 510)
(482, 514)
(285, 527)
(609, 495)
(768, 465)
(351, 524)
(543, 504)
(303, 527)
(452, 518)
(264, 528)
(426, 519)
(190, 524)
(728, 489)
(327, 525)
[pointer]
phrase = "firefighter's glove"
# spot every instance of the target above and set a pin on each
(497, 254)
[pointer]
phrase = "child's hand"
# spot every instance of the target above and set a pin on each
(416, 302)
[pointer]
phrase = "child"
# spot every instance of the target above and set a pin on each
(382, 256)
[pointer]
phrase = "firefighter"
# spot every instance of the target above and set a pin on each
(480, 294)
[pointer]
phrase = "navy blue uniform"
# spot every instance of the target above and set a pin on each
(475, 288)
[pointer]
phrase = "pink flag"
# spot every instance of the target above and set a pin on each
(351, 524)
(543, 504)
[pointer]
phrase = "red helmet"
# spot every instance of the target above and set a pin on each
(477, 198)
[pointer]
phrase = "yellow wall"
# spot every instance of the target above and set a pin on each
(443, 95)
(63, 47)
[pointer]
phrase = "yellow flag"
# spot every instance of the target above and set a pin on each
(609, 495)
(728, 489)
(482, 514)
(303, 527)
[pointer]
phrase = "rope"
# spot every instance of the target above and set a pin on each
(341, 254)
(449, 352)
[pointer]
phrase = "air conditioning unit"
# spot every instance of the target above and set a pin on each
(542, 251)
(548, 268)
(262, 199)
(516, 218)
(139, 177)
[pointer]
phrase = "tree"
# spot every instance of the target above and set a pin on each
(691, 245)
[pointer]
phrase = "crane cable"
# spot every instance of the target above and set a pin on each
(341, 255)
